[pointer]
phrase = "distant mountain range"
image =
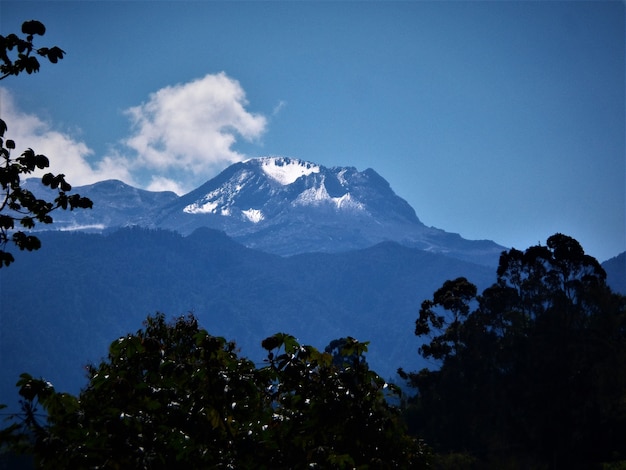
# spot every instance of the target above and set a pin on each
(64, 304)
(278, 205)
(269, 245)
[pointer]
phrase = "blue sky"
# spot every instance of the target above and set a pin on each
(495, 120)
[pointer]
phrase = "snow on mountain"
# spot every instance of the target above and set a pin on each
(254, 215)
(317, 195)
(271, 188)
(220, 199)
(276, 180)
(288, 206)
(286, 170)
(280, 205)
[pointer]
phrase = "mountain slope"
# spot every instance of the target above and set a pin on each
(93, 288)
(116, 204)
(288, 206)
(616, 272)
(278, 205)
(63, 305)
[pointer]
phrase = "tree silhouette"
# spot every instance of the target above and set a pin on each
(19, 208)
(536, 372)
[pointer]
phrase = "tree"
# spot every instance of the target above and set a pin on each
(331, 411)
(537, 370)
(19, 206)
(171, 394)
(453, 297)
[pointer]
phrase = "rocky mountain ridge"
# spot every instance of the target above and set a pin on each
(279, 205)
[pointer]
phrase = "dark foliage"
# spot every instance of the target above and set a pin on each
(19, 55)
(18, 206)
(535, 375)
(172, 395)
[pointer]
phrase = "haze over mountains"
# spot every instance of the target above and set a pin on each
(269, 245)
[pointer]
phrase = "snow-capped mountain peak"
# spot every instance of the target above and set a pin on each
(286, 205)
(280, 205)
(223, 198)
(316, 195)
(286, 170)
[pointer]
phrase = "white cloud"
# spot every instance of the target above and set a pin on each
(192, 127)
(115, 166)
(279, 107)
(161, 183)
(183, 135)
(67, 155)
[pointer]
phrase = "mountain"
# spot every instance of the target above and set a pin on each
(116, 205)
(282, 206)
(360, 263)
(64, 304)
(288, 206)
(616, 272)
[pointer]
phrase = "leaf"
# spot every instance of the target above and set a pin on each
(27, 222)
(47, 179)
(31, 65)
(26, 242)
(291, 343)
(61, 403)
(62, 201)
(6, 222)
(271, 342)
(33, 27)
(5, 258)
(31, 388)
(65, 186)
(76, 201)
(27, 159)
(55, 54)
(41, 161)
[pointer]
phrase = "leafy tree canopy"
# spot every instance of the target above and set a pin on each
(533, 370)
(171, 394)
(18, 206)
